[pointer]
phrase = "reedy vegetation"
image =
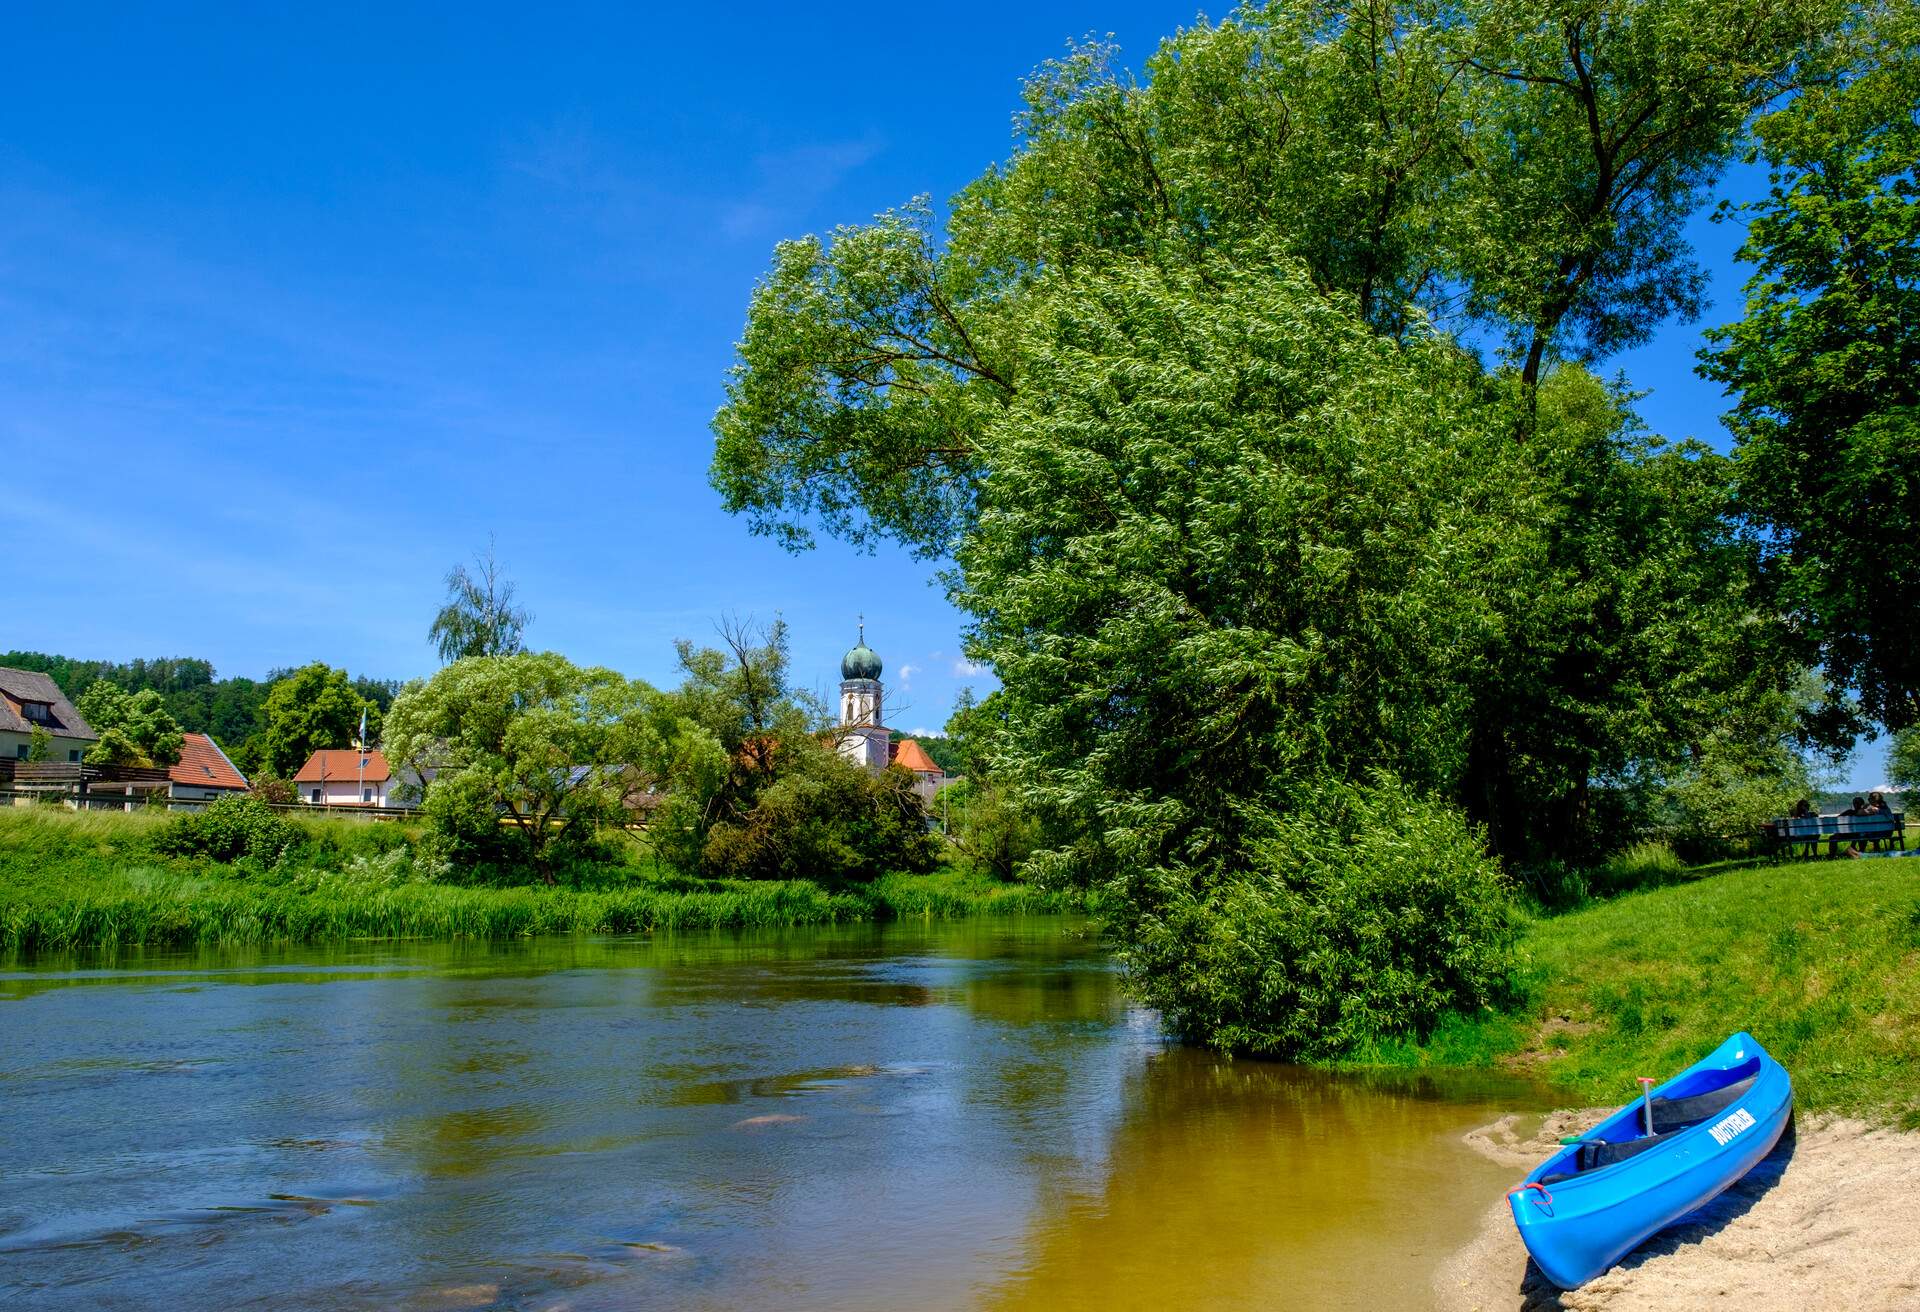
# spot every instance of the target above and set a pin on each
(71, 881)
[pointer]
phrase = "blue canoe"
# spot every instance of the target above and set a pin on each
(1592, 1203)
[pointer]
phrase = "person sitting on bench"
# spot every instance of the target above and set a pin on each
(1877, 805)
(1859, 807)
(1802, 829)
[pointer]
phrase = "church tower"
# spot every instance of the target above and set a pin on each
(863, 731)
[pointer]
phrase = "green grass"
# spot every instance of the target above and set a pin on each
(81, 881)
(1818, 960)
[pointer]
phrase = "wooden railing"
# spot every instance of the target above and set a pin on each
(158, 799)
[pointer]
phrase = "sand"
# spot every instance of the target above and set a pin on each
(1831, 1219)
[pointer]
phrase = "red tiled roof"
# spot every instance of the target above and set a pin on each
(912, 755)
(341, 765)
(204, 765)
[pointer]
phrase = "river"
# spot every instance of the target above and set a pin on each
(964, 1115)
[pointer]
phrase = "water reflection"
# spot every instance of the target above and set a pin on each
(939, 1116)
(1225, 1177)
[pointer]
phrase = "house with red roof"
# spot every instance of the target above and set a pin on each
(928, 778)
(345, 777)
(203, 773)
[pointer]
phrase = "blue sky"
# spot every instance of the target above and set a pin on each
(297, 307)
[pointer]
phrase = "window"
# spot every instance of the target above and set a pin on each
(366, 794)
(38, 712)
(316, 794)
(21, 751)
(73, 754)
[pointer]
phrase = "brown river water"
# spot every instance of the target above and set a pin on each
(949, 1116)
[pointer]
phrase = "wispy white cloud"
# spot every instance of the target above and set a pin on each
(791, 183)
(905, 675)
(966, 669)
(626, 205)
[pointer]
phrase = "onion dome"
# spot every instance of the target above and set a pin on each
(860, 662)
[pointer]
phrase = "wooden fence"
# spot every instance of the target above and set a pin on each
(157, 799)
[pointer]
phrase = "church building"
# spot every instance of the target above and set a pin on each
(864, 736)
(863, 732)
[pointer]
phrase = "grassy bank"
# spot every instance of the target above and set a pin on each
(1818, 960)
(76, 881)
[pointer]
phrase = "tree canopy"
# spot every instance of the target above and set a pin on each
(530, 759)
(1903, 761)
(134, 728)
(1250, 400)
(754, 785)
(1494, 166)
(528, 741)
(1824, 369)
(480, 617)
(311, 708)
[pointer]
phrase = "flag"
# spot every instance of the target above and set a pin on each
(363, 727)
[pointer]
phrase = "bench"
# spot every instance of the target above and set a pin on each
(1804, 834)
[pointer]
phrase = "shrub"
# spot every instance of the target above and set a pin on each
(1727, 792)
(363, 873)
(829, 820)
(990, 827)
(229, 830)
(1371, 912)
(464, 829)
(269, 788)
(676, 833)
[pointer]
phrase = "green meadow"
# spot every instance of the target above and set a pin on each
(1819, 960)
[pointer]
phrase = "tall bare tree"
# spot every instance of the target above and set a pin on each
(480, 618)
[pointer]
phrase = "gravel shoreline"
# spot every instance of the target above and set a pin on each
(1830, 1219)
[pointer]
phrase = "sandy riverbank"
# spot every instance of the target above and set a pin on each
(1831, 1219)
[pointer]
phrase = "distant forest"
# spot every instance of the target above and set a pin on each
(228, 710)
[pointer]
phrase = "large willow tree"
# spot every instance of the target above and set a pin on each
(1244, 524)
(1520, 170)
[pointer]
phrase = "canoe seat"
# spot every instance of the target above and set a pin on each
(1670, 1116)
(1596, 1153)
(1678, 1113)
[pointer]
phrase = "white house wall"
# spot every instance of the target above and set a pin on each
(336, 792)
(11, 743)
